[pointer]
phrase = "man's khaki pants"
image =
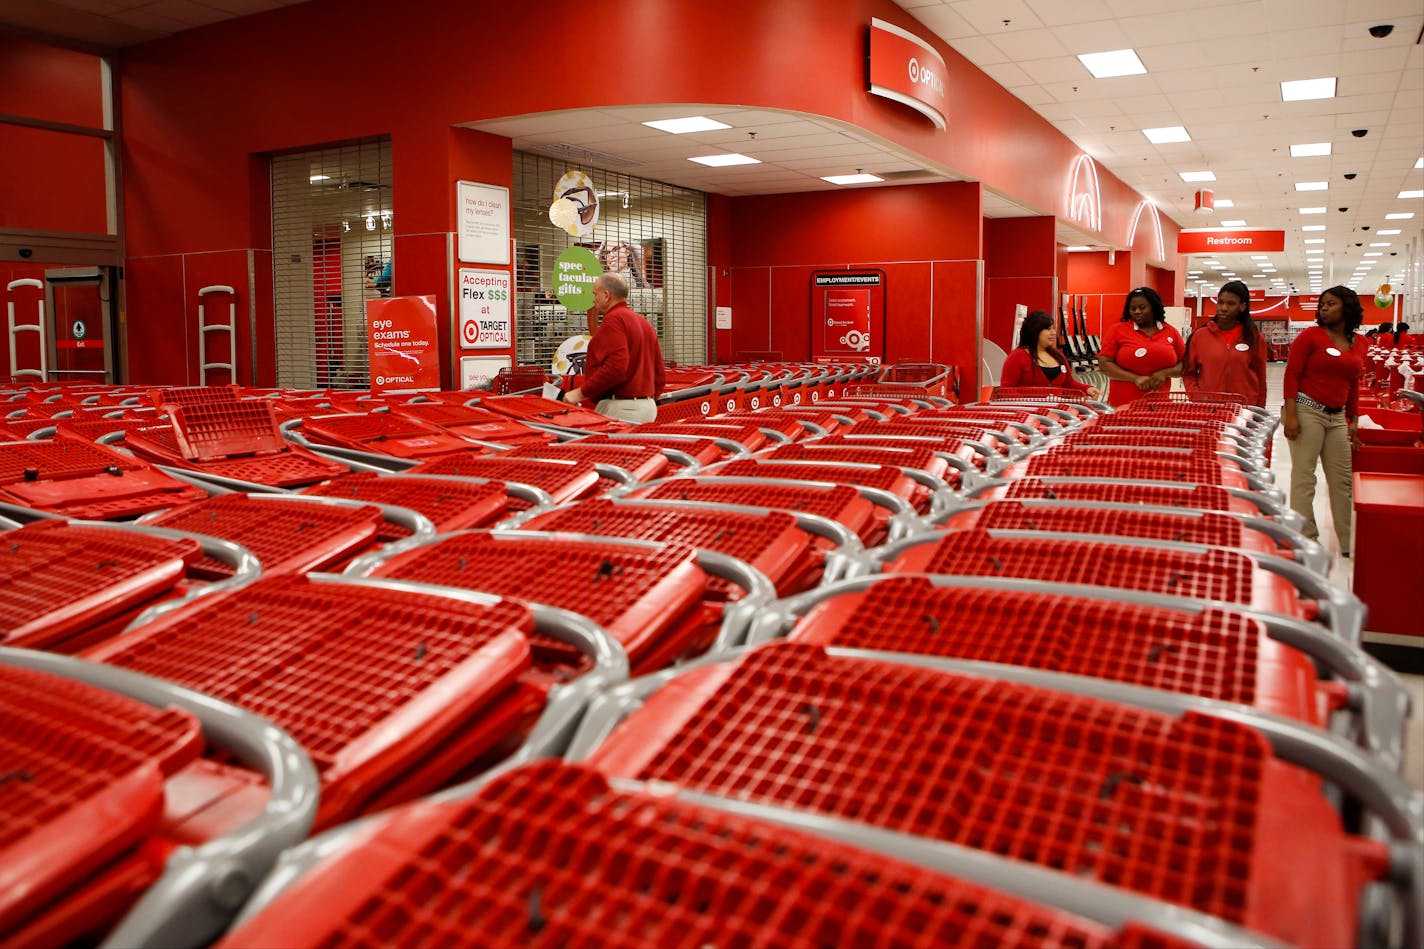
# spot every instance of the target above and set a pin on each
(1324, 437)
(628, 410)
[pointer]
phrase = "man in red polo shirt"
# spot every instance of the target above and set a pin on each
(623, 371)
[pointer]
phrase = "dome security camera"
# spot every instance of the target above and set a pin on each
(1358, 244)
(1364, 227)
(1349, 176)
(1359, 133)
(1342, 210)
(1381, 31)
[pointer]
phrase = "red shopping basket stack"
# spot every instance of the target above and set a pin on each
(469, 421)
(1193, 809)
(451, 504)
(390, 691)
(842, 503)
(383, 433)
(286, 534)
(653, 598)
(81, 794)
(1187, 467)
(536, 410)
(556, 855)
(71, 476)
(933, 460)
(619, 463)
(216, 433)
(896, 480)
(565, 479)
(1206, 497)
(770, 541)
(64, 586)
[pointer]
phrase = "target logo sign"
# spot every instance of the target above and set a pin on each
(471, 331)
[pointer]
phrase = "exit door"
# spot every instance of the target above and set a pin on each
(81, 310)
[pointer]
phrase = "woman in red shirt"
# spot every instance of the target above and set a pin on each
(1322, 391)
(1228, 354)
(1141, 353)
(1038, 362)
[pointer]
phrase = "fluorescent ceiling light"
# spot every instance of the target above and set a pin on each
(1375, 253)
(1211, 262)
(1218, 268)
(1077, 248)
(693, 123)
(315, 178)
(1315, 240)
(1399, 216)
(1388, 233)
(1224, 203)
(1260, 257)
(1418, 193)
(1194, 273)
(721, 161)
(1302, 210)
(1310, 150)
(1167, 135)
(1419, 163)
(1258, 276)
(856, 179)
(1233, 223)
(1313, 227)
(1297, 90)
(1228, 275)
(1197, 176)
(1381, 244)
(1311, 185)
(1116, 62)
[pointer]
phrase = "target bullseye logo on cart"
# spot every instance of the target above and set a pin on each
(706, 408)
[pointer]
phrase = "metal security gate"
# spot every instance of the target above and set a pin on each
(654, 234)
(332, 229)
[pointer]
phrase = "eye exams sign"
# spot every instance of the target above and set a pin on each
(486, 320)
(907, 69)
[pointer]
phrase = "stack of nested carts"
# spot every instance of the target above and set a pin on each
(833, 661)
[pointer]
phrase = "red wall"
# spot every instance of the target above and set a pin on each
(925, 237)
(200, 116)
(1020, 258)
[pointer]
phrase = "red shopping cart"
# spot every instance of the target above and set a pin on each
(74, 477)
(563, 479)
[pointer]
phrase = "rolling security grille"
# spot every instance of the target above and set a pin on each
(332, 227)
(658, 229)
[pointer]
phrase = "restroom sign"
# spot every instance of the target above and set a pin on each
(486, 316)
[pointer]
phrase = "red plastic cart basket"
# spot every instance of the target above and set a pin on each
(618, 463)
(1185, 494)
(1166, 799)
(916, 487)
(562, 479)
(69, 475)
(382, 433)
(546, 413)
(473, 422)
(451, 504)
(557, 855)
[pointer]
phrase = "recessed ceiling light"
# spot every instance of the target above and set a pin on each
(1419, 163)
(1399, 216)
(721, 161)
(1211, 262)
(1375, 253)
(1197, 176)
(1417, 193)
(1296, 90)
(1311, 185)
(855, 179)
(1389, 233)
(1258, 276)
(1218, 267)
(1167, 135)
(693, 123)
(1315, 250)
(1233, 223)
(1308, 210)
(1313, 227)
(315, 178)
(1077, 248)
(1228, 275)
(1315, 240)
(1260, 257)
(1116, 62)
(1268, 270)
(1310, 150)
(1381, 244)
(1224, 203)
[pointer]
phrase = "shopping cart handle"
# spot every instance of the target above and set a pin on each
(202, 887)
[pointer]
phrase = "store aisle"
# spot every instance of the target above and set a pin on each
(1342, 575)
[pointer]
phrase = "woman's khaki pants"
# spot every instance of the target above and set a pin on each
(1324, 437)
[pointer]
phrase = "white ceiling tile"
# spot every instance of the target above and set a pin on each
(1313, 41)
(1030, 44)
(944, 22)
(1061, 69)
(1178, 57)
(1033, 95)
(978, 50)
(1058, 13)
(1093, 37)
(1298, 14)
(988, 16)
(1008, 75)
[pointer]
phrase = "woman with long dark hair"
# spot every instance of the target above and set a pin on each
(1322, 392)
(1141, 353)
(1038, 362)
(1228, 354)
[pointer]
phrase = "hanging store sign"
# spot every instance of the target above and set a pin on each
(486, 319)
(908, 70)
(574, 273)
(483, 215)
(401, 340)
(1221, 241)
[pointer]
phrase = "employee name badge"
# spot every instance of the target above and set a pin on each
(1331, 351)
(1243, 347)
(1141, 351)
